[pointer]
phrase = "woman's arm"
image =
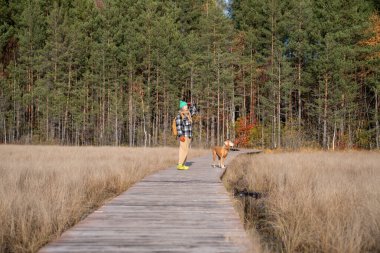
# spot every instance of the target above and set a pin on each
(178, 122)
(193, 109)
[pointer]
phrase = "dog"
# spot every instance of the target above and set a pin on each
(222, 153)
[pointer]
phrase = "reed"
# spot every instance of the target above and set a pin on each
(45, 190)
(315, 201)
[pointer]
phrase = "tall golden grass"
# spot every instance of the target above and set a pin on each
(316, 202)
(46, 189)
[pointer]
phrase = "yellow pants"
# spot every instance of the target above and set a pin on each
(183, 150)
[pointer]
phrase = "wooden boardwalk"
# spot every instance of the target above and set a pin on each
(170, 211)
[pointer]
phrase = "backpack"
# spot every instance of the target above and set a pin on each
(174, 127)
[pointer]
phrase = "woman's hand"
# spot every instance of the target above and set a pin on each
(182, 138)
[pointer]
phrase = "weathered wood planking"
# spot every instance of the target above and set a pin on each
(170, 211)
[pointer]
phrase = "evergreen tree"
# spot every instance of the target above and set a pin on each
(111, 72)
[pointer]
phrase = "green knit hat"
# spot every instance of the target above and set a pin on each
(182, 104)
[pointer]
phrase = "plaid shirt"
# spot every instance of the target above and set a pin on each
(184, 126)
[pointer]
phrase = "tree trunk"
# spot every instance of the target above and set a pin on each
(107, 137)
(85, 110)
(228, 114)
(218, 111)
(130, 109)
(232, 136)
(200, 127)
(67, 107)
(15, 108)
(157, 116)
(244, 110)
(260, 116)
(47, 117)
(56, 57)
(144, 121)
(289, 112)
(279, 103)
(299, 96)
(5, 130)
(274, 143)
(334, 136)
(377, 119)
(76, 135)
(134, 126)
(325, 113)
(208, 115)
(252, 115)
(223, 121)
(213, 130)
(349, 131)
(102, 100)
(191, 84)
(116, 114)
(166, 115)
(147, 119)
(167, 121)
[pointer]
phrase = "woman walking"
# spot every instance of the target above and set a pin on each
(184, 133)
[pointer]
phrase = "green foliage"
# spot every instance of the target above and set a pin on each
(111, 72)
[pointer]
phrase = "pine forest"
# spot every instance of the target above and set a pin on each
(268, 74)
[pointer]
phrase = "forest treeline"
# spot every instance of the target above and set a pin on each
(276, 73)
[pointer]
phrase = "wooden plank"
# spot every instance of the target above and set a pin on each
(170, 211)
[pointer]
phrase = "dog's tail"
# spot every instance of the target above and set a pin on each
(213, 154)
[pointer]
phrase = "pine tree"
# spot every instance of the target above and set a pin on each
(337, 50)
(111, 72)
(31, 38)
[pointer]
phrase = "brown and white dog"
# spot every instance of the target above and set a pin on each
(221, 152)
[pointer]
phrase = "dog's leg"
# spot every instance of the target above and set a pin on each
(222, 163)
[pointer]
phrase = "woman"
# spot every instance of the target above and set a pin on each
(185, 133)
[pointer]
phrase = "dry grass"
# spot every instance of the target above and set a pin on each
(46, 189)
(316, 202)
